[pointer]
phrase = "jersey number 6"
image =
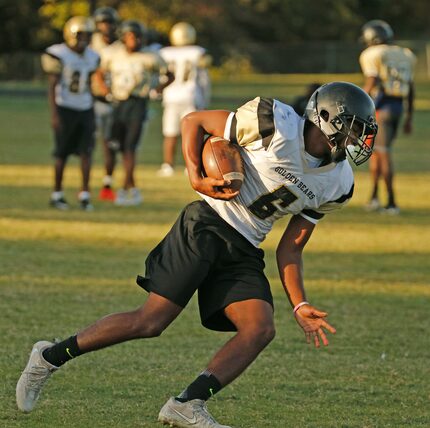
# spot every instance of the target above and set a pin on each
(266, 205)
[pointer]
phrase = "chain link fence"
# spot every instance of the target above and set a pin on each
(316, 57)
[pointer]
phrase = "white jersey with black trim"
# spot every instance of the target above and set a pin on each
(392, 65)
(278, 178)
(132, 73)
(73, 91)
(192, 83)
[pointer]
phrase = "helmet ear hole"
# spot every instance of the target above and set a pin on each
(324, 115)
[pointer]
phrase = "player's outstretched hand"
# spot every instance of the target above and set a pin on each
(313, 323)
(213, 187)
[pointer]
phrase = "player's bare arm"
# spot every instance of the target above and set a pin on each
(407, 124)
(194, 127)
(370, 83)
(290, 265)
(99, 80)
(53, 80)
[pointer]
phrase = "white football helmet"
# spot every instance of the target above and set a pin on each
(76, 25)
(182, 34)
(346, 116)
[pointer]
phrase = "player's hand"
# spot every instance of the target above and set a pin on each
(313, 323)
(213, 188)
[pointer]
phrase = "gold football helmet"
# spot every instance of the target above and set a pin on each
(182, 34)
(75, 25)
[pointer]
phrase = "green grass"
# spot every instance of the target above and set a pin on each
(61, 271)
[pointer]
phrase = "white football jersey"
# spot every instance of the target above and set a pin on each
(132, 74)
(73, 90)
(392, 64)
(280, 177)
(98, 43)
(192, 83)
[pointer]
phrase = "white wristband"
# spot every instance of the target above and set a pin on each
(299, 305)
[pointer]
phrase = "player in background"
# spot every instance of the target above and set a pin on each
(293, 166)
(134, 72)
(388, 70)
(190, 91)
(300, 102)
(70, 66)
(107, 22)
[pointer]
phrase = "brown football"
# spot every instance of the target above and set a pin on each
(222, 160)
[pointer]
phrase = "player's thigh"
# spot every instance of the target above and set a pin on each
(86, 141)
(68, 132)
(388, 123)
(135, 121)
(177, 266)
(254, 316)
(172, 116)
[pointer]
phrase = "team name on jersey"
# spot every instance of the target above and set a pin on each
(295, 180)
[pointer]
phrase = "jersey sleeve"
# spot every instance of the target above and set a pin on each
(370, 62)
(205, 61)
(253, 124)
(51, 63)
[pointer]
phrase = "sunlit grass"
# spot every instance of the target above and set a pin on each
(60, 271)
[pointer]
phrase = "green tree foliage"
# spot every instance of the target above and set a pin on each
(222, 25)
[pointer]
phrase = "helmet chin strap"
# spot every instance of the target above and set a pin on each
(337, 152)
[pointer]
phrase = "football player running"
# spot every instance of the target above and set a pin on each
(189, 91)
(107, 21)
(133, 72)
(293, 165)
(388, 70)
(70, 66)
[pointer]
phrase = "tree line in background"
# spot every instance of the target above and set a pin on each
(225, 27)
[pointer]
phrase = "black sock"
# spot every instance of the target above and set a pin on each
(202, 388)
(62, 352)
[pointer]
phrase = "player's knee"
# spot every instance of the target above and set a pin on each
(268, 333)
(149, 329)
(144, 328)
(262, 334)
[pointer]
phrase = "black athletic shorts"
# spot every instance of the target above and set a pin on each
(202, 252)
(388, 124)
(128, 118)
(76, 135)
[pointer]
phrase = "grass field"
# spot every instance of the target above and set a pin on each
(61, 271)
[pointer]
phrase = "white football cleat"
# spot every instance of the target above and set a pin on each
(166, 170)
(192, 413)
(135, 197)
(121, 198)
(372, 205)
(34, 376)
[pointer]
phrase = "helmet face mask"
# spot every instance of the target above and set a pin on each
(354, 138)
(346, 116)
